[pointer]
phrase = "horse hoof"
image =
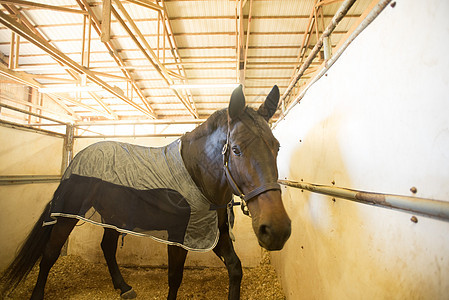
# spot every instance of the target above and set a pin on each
(131, 294)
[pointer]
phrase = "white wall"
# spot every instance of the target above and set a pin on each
(378, 122)
(24, 153)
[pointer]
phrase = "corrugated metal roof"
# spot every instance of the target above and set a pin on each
(200, 47)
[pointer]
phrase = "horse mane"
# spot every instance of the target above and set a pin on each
(216, 120)
(219, 119)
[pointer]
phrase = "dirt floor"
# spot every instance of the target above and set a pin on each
(74, 278)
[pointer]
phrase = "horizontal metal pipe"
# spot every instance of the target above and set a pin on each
(423, 206)
(26, 179)
(31, 113)
(128, 136)
(140, 122)
(31, 129)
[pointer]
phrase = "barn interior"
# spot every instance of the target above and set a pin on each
(362, 124)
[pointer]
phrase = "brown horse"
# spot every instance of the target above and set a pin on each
(233, 152)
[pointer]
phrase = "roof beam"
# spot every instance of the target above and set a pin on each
(28, 80)
(147, 4)
(245, 59)
(154, 60)
(175, 53)
(75, 76)
(42, 6)
(239, 42)
(9, 22)
(158, 66)
(114, 54)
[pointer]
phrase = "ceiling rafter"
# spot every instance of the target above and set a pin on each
(42, 6)
(152, 58)
(9, 22)
(168, 30)
(191, 42)
(28, 80)
(84, 5)
(27, 23)
(248, 31)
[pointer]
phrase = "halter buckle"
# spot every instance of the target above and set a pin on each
(225, 149)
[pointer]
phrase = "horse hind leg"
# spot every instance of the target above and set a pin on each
(109, 247)
(59, 234)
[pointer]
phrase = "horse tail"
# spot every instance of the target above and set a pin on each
(28, 255)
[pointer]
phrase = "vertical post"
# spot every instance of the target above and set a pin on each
(158, 33)
(83, 45)
(17, 50)
(67, 155)
(164, 35)
(89, 38)
(11, 50)
(67, 151)
(106, 21)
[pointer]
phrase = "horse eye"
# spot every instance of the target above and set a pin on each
(236, 150)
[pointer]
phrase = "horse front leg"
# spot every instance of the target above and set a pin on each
(176, 259)
(225, 251)
(109, 247)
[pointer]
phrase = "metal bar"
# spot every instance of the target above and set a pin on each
(328, 64)
(31, 113)
(339, 15)
(27, 179)
(30, 129)
(137, 122)
(129, 136)
(428, 207)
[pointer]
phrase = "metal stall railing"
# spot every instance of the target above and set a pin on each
(28, 179)
(422, 206)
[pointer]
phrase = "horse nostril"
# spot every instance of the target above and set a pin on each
(265, 230)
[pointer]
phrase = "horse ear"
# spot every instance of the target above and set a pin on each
(269, 107)
(237, 103)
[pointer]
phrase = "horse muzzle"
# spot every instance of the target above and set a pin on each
(271, 223)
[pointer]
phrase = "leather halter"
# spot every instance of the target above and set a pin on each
(237, 191)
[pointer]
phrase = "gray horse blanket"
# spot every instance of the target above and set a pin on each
(137, 190)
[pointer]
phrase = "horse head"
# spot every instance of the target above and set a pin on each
(249, 158)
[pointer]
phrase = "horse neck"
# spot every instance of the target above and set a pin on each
(201, 153)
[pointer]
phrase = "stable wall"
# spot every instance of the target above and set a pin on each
(377, 122)
(24, 153)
